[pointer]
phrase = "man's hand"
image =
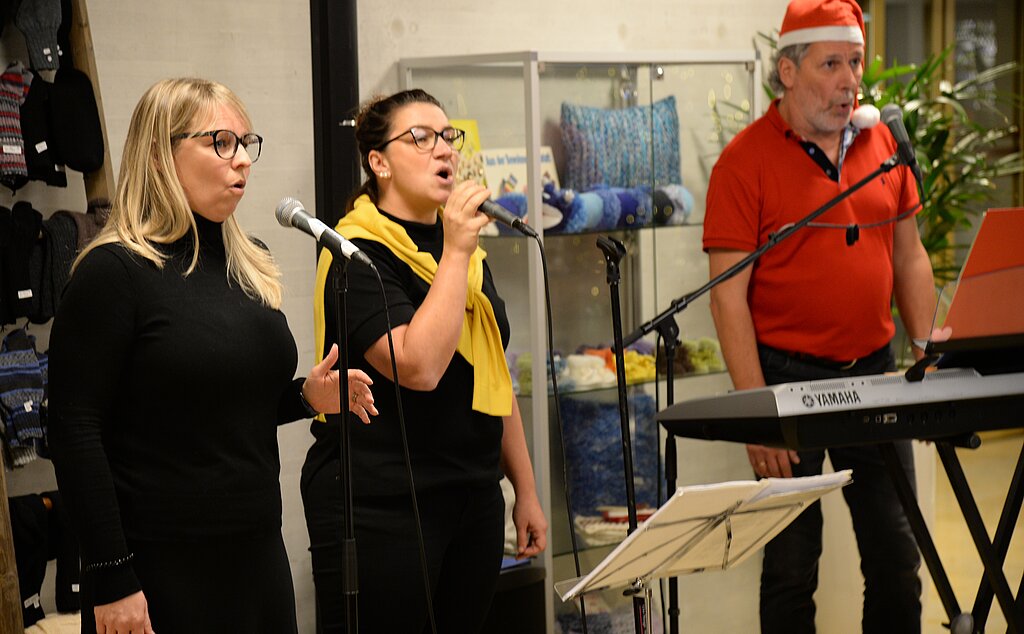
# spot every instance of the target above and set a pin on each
(769, 462)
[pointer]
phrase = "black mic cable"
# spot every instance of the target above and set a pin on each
(853, 230)
(405, 448)
(408, 460)
(558, 414)
(290, 212)
(867, 116)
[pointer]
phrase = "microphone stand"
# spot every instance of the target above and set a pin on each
(349, 569)
(613, 253)
(670, 333)
(668, 330)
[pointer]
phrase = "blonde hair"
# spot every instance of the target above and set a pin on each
(149, 206)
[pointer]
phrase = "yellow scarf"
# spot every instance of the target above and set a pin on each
(480, 340)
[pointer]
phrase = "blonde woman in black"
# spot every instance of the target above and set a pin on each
(171, 366)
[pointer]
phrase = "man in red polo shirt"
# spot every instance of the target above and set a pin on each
(816, 307)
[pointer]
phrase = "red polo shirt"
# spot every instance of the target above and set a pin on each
(811, 293)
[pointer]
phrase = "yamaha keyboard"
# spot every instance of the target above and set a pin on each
(855, 410)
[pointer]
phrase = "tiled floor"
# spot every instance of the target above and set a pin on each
(988, 470)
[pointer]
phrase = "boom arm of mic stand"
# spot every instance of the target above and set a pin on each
(681, 303)
(668, 330)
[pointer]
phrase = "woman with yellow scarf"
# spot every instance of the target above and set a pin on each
(462, 419)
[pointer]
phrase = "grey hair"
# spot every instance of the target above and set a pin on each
(795, 52)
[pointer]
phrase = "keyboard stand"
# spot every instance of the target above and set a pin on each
(992, 554)
(1004, 531)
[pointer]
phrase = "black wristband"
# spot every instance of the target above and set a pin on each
(306, 406)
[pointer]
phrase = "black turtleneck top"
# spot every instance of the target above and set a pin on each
(166, 391)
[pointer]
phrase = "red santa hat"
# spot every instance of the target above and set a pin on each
(810, 21)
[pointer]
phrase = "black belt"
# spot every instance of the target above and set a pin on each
(832, 364)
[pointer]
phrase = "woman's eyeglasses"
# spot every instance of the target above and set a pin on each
(426, 139)
(226, 142)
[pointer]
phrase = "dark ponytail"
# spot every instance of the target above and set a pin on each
(373, 125)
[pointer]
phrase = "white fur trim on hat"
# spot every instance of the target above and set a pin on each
(822, 34)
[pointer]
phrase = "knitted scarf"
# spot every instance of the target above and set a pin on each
(480, 340)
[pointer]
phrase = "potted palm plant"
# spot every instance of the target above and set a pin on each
(959, 134)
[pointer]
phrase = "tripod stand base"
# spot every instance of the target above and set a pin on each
(962, 624)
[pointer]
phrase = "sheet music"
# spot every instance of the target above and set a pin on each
(787, 485)
(706, 527)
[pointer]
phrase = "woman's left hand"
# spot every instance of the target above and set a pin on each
(531, 526)
(321, 389)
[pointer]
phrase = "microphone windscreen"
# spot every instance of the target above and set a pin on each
(891, 112)
(286, 209)
(866, 116)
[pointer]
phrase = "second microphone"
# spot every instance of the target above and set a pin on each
(291, 213)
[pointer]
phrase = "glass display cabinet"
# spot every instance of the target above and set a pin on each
(583, 145)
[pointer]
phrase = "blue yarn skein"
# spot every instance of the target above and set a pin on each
(585, 213)
(611, 208)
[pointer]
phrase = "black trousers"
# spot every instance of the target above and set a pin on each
(463, 529)
(233, 584)
(888, 550)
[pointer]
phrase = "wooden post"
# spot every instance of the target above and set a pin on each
(98, 184)
(10, 594)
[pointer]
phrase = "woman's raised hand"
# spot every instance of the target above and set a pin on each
(462, 221)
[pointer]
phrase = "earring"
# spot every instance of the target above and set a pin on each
(384, 174)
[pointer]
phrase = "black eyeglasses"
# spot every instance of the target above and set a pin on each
(226, 142)
(426, 139)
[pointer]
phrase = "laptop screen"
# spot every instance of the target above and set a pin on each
(986, 309)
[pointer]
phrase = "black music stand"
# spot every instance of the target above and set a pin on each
(703, 527)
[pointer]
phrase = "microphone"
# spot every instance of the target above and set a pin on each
(291, 213)
(892, 115)
(495, 211)
(865, 116)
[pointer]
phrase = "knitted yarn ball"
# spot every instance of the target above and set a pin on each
(611, 208)
(585, 213)
(682, 201)
(636, 206)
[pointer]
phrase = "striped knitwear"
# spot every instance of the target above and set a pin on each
(13, 90)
